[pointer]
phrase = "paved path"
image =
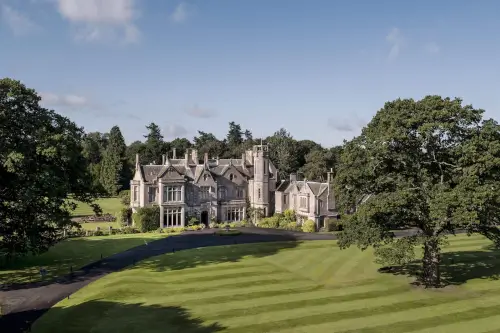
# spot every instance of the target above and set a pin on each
(23, 304)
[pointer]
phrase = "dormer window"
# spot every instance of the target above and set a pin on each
(205, 177)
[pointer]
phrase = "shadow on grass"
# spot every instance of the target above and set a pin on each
(457, 267)
(119, 317)
(62, 259)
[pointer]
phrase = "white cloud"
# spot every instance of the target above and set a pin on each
(396, 40)
(198, 112)
(432, 48)
(174, 131)
(102, 20)
(182, 12)
(18, 23)
(352, 124)
(70, 100)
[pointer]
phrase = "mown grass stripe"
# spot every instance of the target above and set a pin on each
(358, 259)
(480, 312)
(388, 318)
(359, 314)
(309, 258)
(309, 299)
(331, 265)
(479, 325)
(468, 245)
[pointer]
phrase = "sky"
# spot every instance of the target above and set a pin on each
(319, 68)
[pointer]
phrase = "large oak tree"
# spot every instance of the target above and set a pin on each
(433, 164)
(41, 164)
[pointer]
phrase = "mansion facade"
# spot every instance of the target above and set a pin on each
(221, 189)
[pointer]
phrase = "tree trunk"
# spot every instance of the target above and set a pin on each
(431, 276)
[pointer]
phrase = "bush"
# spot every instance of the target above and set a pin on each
(245, 223)
(192, 221)
(292, 226)
(289, 215)
(213, 225)
(147, 218)
(98, 233)
(124, 197)
(309, 226)
(178, 229)
(129, 230)
(123, 217)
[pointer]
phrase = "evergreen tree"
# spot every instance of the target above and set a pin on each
(154, 145)
(114, 171)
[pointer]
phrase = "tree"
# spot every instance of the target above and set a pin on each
(208, 143)
(41, 165)
(154, 145)
(115, 173)
(282, 152)
(181, 145)
(316, 165)
(93, 149)
(432, 164)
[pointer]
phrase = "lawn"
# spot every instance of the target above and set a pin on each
(285, 287)
(108, 206)
(75, 252)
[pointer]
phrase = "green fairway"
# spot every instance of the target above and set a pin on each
(284, 287)
(108, 206)
(76, 252)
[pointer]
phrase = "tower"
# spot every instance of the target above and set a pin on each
(260, 195)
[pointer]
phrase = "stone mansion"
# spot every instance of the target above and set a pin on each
(219, 189)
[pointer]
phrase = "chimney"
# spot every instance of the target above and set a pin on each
(174, 154)
(217, 160)
(205, 158)
(329, 176)
(293, 177)
(163, 159)
(243, 161)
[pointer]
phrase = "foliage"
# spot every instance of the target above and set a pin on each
(124, 216)
(432, 164)
(398, 253)
(154, 145)
(213, 225)
(147, 218)
(289, 215)
(333, 224)
(309, 226)
(124, 197)
(41, 164)
(193, 220)
(228, 233)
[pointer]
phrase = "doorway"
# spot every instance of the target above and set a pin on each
(204, 218)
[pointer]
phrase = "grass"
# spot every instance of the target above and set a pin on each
(108, 206)
(104, 226)
(228, 232)
(75, 252)
(285, 287)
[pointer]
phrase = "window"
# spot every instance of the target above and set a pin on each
(152, 194)
(172, 194)
(240, 193)
(205, 177)
(172, 217)
(231, 177)
(205, 192)
(303, 203)
(221, 193)
(136, 193)
(285, 197)
(235, 214)
(320, 205)
(258, 193)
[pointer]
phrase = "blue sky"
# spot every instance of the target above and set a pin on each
(319, 68)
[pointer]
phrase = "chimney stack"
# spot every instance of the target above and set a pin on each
(163, 159)
(293, 177)
(136, 161)
(174, 153)
(205, 159)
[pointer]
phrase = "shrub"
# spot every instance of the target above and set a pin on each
(147, 218)
(123, 217)
(98, 233)
(130, 230)
(178, 229)
(293, 226)
(309, 226)
(245, 223)
(124, 197)
(192, 221)
(289, 214)
(213, 225)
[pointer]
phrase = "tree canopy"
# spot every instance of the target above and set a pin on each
(431, 164)
(41, 165)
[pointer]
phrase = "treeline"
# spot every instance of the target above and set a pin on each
(112, 162)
